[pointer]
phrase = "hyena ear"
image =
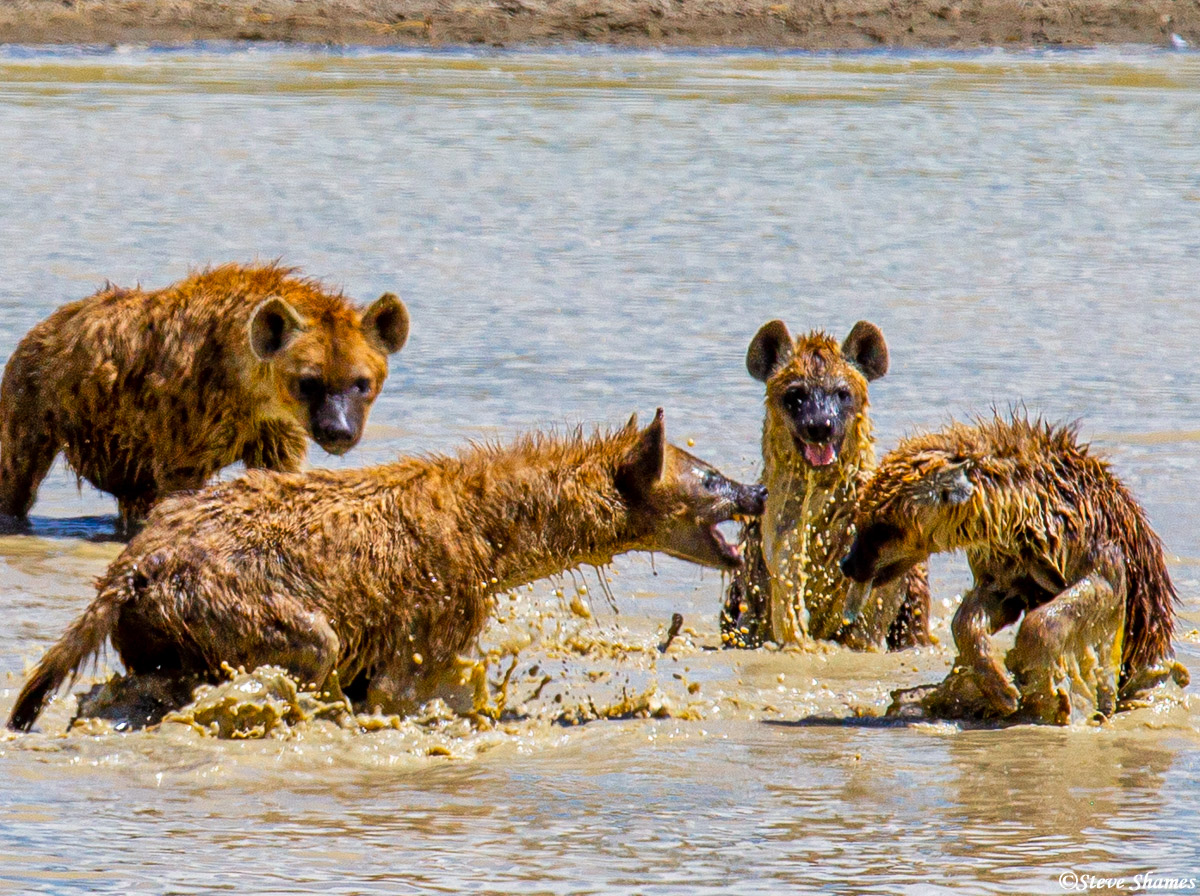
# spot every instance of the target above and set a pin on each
(642, 467)
(273, 326)
(865, 348)
(949, 487)
(386, 321)
(770, 349)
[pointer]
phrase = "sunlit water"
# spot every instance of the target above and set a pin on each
(580, 236)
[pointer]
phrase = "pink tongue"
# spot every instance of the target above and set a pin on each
(819, 455)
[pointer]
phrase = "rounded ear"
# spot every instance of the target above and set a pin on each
(642, 467)
(273, 326)
(865, 348)
(770, 349)
(386, 321)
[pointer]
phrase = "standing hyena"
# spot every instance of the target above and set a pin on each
(817, 452)
(148, 393)
(1050, 533)
(383, 575)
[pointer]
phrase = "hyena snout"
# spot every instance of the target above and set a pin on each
(712, 500)
(751, 499)
(730, 500)
(817, 418)
(336, 420)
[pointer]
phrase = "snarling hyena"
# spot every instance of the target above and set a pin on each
(1049, 532)
(383, 575)
(150, 392)
(817, 451)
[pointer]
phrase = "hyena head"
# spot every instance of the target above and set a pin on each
(329, 366)
(921, 500)
(676, 501)
(816, 390)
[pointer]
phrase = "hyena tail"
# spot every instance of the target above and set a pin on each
(84, 638)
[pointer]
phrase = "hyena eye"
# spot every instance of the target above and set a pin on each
(793, 398)
(310, 387)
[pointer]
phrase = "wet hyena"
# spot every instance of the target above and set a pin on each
(817, 452)
(151, 392)
(383, 575)
(1050, 533)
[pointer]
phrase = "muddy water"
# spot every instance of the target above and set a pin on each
(580, 236)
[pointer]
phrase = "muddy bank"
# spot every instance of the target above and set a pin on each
(801, 24)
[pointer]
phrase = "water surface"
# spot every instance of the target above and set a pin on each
(580, 236)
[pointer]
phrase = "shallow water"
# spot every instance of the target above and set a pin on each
(579, 236)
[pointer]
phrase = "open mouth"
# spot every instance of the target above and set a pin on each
(818, 454)
(728, 550)
(703, 542)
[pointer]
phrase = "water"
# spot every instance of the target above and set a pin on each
(579, 236)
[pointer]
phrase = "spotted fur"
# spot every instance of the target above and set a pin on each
(150, 392)
(383, 575)
(1026, 500)
(816, 408)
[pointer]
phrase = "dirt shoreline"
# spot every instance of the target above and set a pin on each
(798, 24)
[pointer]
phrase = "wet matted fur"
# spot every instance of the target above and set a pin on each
(150, 392)
(383, 575)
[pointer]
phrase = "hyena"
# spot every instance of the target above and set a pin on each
(817, 451)
(383, 575)
(151, 392)
(1050, 532)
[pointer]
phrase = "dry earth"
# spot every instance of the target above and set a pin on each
(804, 24)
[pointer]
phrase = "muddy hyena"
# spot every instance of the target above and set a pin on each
(384, 575)
(147, 393)
(1050, 533)
(817, 452)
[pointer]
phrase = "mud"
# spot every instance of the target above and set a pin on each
(555, 218)
(798, 24)
(549, 664)
(1078, 688)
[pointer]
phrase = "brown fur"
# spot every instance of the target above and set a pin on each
(791, 584)
(150, 392)
(384, 575)
(1041, 519)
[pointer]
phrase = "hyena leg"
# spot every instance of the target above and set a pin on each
(136, 498)
(28, 446)
(872, 625)
(911, 626)
(744, 614)
(131, 513)
(983, 612)
(299, 640)
(279, 446)
(1078, 634)
(402, 687)
(311, 651)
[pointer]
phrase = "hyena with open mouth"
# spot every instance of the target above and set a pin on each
(817, 454)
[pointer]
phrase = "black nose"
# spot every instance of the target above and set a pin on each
(335, 440)
(754, 499)
(817, 431)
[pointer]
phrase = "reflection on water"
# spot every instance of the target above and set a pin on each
(580, 235)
